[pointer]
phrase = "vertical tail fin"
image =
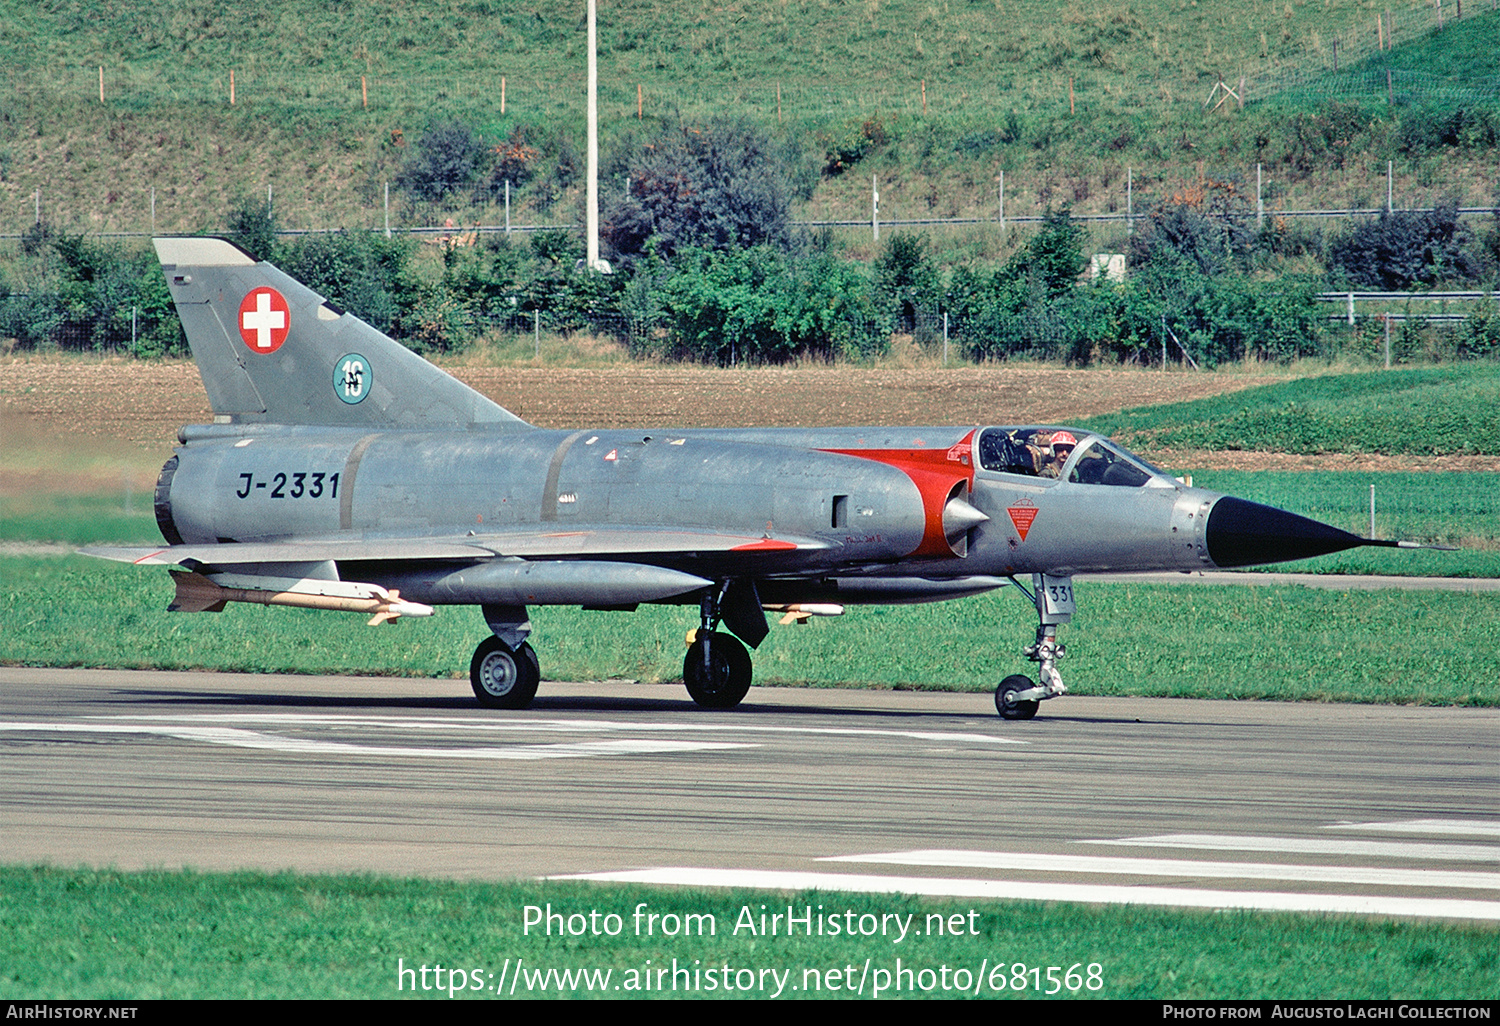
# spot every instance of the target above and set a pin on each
(270, 350)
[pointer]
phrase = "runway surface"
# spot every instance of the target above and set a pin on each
(1366, 809)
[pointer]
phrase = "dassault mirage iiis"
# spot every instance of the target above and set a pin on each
(344, 472)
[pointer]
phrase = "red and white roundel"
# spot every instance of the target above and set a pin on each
(264, 320)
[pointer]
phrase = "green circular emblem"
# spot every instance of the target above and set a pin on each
(352, 378)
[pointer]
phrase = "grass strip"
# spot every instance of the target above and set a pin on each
(1434, 648)
(1428, 411)
(106, 934)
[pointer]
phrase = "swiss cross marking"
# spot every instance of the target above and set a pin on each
(264, 320)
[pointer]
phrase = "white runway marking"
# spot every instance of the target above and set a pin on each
(1179, 868)
(512, 737)
(572, 726)
(1453, 827)
(1089, 894)
(237, 738)
(1410, 852)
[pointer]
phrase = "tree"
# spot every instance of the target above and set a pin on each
(446, 157)
(719, 185)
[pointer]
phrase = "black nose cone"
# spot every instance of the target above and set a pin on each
(1244, 533)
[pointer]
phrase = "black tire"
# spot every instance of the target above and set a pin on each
(1012, 710)
(502, 677)
(724, 683)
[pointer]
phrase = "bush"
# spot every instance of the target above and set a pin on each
(362, 272)
(447, 157)
(906, 283)
(1210, 224)
(1479, 334)
(755, 306)
(96, 299)
(1403, 249)
(252, 227)
(722, 185)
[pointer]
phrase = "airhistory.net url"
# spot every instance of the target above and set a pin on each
(516, 978)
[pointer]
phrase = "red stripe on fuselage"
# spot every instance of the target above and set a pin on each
(934, 472)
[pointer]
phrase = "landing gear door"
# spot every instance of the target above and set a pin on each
(1054, 598)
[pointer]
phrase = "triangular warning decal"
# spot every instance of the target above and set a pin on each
(1022, 517)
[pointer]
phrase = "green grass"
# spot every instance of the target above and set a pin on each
(1431, 648)
(997, 77)
(118, 517)
(1429, 412)
(82, 934)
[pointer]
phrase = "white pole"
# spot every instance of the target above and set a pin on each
(1002, 199)
(875, 207)
(593, 144)
(1129, 203)
(945, 338)
(388, 210)
(153, 210)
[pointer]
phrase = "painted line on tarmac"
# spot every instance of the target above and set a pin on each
(1089, 894)
(527, 724)
(513, 739)
(1452, 827)
(1315, 846)
(234, 737)
(1107, 865)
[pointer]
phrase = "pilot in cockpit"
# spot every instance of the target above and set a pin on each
(1054, 453)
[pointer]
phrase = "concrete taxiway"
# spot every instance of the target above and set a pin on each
(1332, 807)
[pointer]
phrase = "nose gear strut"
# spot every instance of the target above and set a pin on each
(1017, 696)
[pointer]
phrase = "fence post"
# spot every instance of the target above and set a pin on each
(1260, 204)
(388, 210)
(1129, 203)
(507, 206)
(1351, 309)
(875, 207)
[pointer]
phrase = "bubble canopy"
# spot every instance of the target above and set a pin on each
(1065, 454)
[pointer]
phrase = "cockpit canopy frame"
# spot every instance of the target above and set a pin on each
(1064, 454)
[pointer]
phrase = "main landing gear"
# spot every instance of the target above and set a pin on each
(716, 668)
(504, 671)
(1017, 697)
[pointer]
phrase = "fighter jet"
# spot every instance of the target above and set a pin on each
(344, 472)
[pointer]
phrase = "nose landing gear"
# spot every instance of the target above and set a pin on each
(1017, 697)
